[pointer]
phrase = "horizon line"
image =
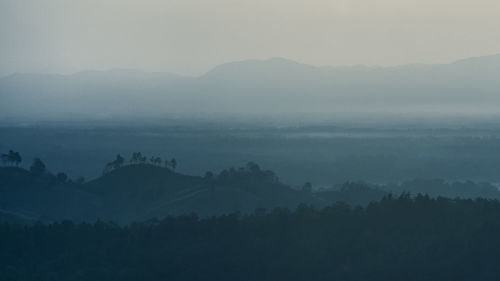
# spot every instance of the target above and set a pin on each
(107, 70)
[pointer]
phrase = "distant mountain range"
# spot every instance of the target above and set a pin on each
(254, 86)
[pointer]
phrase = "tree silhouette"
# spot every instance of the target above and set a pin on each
(419, 239)
(13, 158)
(208, 176)
(80, 180)
(118, 162)
(62, 177)
(173, 163)
(155, 160)
(17, 158)
(136, 158)
(307, 187)
(158, 161)
(253, 167)
(38, 167)
(115, 164)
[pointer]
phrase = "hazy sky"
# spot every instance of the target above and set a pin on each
(191, 36)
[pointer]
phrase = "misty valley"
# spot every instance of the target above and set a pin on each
(194, 199)
(322, 152)
(207, 173)
(147, 140)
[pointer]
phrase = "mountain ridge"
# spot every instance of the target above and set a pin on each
(275, 85)
(495, 56)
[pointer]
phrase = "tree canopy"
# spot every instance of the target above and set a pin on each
(394, 239)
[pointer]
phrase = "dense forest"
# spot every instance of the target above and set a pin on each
(142, 220)
(394, 239)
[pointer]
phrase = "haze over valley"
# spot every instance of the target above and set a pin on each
(269, 140)
(257, 87)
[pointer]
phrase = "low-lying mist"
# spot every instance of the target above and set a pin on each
(275, 86)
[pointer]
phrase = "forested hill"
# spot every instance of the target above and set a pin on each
(139, 191)
(143, 191)
(419, 239)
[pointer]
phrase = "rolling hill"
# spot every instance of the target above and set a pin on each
(138, 192)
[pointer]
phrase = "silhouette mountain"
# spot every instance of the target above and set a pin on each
(257, 86)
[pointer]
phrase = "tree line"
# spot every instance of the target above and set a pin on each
(12, 158)
(139, 158)
(37, 167)
(399, 238)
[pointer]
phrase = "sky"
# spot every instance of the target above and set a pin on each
(192, 36)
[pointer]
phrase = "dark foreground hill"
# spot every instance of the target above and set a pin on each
(419, 239)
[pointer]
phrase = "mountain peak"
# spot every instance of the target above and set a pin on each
(489, 59)
(256, 67)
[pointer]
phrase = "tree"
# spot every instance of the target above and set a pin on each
(136, 158)
(307, 187)
(38, 167)
(16, 158)
(224, 175)
(62, 177)
(13, 157)
(155, 160)
(209, 176)
(173, 163)
(118, 161)
(158, 161)
(116, 164)
(80, 180)
(253, 167)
